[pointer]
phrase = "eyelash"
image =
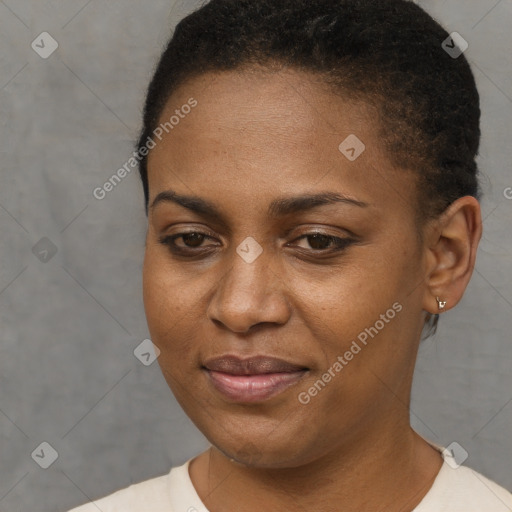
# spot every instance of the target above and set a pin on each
(340, 244)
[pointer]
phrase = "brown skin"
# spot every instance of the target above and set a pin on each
(252, 138)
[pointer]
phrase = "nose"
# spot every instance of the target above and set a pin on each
(249, 294)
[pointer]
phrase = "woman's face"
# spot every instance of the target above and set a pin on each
(331, 288)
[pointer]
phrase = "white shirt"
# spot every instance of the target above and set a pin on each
(455, 489)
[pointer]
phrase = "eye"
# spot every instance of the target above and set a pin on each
(322, 242)
(190, 241)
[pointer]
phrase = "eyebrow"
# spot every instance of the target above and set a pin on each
(278, 207)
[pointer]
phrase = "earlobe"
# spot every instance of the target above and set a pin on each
(452, 254)
(441, 304)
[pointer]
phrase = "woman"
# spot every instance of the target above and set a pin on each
(312, 198)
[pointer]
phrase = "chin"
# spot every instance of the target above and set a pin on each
(255, 436)
(257, 451)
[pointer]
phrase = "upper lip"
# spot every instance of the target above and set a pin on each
(255, 365)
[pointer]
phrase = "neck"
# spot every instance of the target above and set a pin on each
(390, 472)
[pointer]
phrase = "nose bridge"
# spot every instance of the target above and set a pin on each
(249, 292)
(246, 282)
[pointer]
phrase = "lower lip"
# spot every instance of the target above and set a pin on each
(253, 388)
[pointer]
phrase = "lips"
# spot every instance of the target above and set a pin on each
(256, 365)
(253, 379)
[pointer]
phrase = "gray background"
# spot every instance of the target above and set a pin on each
(69, 326)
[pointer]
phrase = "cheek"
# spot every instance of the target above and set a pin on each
(163, 301)
(174, 306)
(169, 318)
(349, 297)
(364, 310)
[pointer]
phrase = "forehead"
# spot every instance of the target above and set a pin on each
(273, 130)
(289, 104)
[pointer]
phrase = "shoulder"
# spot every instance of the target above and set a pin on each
(152, 494)
(462, 489)
(479, 490)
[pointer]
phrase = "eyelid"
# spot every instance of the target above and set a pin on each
(189, 230)
(309, 232)
(321, 230)
(339, 243)
(164, 238)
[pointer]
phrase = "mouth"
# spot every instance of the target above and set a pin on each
(253, 379)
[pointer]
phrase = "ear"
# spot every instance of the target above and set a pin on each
(451, 247)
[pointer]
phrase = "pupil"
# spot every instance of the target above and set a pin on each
(195, 238)
(316, 241)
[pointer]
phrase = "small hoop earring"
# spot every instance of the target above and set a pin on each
(441, 303)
